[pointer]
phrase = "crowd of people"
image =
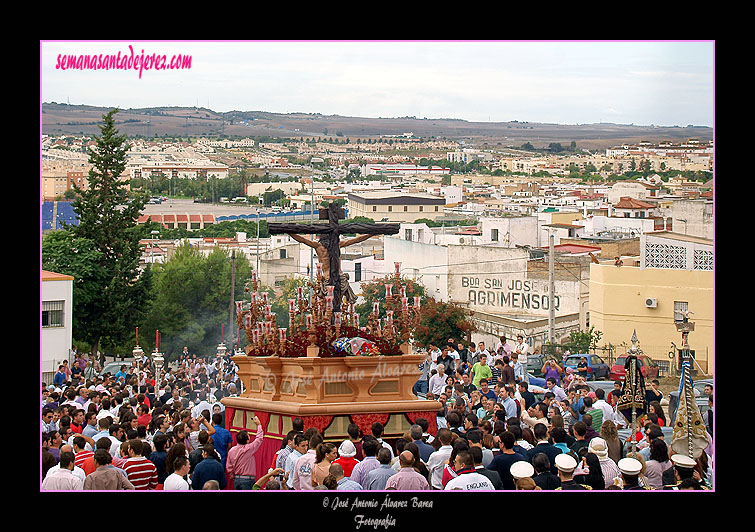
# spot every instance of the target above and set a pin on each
(135, 430)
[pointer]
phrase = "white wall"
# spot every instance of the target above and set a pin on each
(597, 224)
(520, 230)
(57, 341)
(698, 215)
(425, 263)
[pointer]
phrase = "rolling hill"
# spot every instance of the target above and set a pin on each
(60, 119)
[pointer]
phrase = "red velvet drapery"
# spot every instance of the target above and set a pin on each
(365, 421)
(318, 422)
(432, 425)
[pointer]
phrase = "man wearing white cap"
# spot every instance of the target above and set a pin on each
(630, 473)
(684, 469)
(521, 469)
(599, 447)
(566, 464)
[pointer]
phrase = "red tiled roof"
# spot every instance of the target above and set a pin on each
(53, 276)
(632, 203)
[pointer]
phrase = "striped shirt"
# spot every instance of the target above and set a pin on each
(81, 457)
(282, 456)
(141, 473)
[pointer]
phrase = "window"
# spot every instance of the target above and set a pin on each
(494, 235)
(407, 234)
(421, 208)
(679, 308)
(283, 253)
(406, 208)
(357, 271)
(374, 208)
(390, 208)
(436, 208)
(52, 313)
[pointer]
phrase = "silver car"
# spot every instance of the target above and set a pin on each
(700, 398)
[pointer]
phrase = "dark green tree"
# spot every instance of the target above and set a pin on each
(192, 298)
(584, 341)
(441, 321)
(107, 219)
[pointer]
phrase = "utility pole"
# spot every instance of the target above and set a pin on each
(551, 291)
(233, 292)
(258, 240)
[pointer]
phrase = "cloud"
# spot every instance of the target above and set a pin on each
(564, 82)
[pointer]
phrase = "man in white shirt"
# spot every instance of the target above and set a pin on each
(521, 349)
(519, 357)
(201, 406)
(63, 476)
(438, 458)
(453, 353)
(481, 350)
(608, 413)
(176, 481)
(558, 392)
(468, 479)
(437, 382)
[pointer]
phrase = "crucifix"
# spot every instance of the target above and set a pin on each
(328, 247)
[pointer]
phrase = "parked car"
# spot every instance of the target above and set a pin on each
(535, 381)
(597, 368)
(625, 433)
(648, 367)
(535, 364)
(113, 367)
(606, 385)
(700, 398)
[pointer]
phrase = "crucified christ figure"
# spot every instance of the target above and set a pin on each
(321, 249)
(328, 247)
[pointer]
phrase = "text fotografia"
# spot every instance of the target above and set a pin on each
(126, 61)
(374, 522)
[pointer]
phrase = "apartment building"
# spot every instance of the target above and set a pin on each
(395, 206)
(673, 274)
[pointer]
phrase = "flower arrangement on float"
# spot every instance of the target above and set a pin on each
(316, 323)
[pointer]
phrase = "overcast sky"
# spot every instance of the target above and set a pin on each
(642, 83)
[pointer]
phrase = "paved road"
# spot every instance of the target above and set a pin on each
(182, 206)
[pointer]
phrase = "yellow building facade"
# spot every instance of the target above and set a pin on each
(649, 300)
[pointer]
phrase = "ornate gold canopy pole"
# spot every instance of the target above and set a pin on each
(689, 436)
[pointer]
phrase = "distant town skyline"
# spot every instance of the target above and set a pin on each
(663, 83)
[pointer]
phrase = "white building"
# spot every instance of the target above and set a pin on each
(510, 231)
(403, 169)
(57, 322)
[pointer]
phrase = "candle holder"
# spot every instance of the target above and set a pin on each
(314, 325)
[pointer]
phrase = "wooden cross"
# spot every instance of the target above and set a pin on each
(329, 246)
